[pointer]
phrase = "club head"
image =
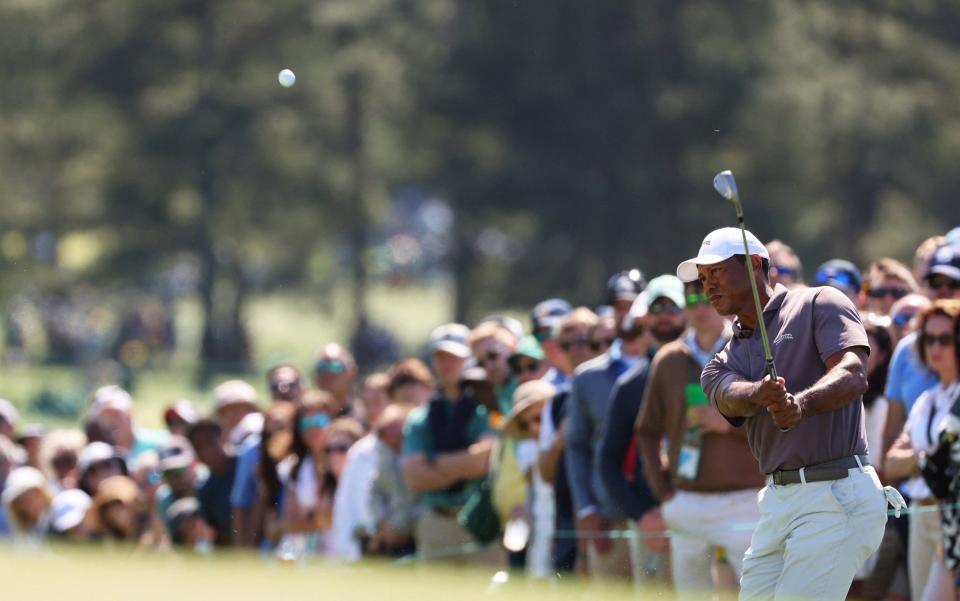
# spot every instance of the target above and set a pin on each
(726, 185)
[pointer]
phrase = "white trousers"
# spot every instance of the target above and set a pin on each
(702, 522)
(812, 538)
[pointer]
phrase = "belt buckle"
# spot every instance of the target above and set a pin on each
(777, 477)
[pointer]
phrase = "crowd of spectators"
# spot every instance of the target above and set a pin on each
(579, 444)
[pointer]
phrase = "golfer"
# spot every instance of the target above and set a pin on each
(823, 510)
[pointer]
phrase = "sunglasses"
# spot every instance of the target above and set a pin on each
(841, 277)
(895, 293)
(523, 368)
(666, 307)
(569, 343)
(902, 319)
(320, 420)
(601, 345)
(942, 339)
(336, 449)
(333, 366)
(786, 272)
(942, 281)
(633, 334)
(697, 298)
(490, 357)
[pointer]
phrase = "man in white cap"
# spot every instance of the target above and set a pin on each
(8, 419)
(823, 508)
(112, 408)
(232, 401)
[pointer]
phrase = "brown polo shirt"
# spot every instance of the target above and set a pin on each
(805, 327)
(726, 463)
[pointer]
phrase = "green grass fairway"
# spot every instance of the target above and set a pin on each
(100, 574)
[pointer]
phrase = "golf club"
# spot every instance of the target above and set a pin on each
(726, 185)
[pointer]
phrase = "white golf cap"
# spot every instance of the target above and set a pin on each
(112, 397)
(20, 481)
(251, 424)
(451, 338)
(720, 245)
(8, 413)
(233, 392)
(69, 508)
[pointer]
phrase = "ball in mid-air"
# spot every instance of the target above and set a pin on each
(287, 78)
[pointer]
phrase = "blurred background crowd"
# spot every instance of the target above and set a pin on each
(574, 443)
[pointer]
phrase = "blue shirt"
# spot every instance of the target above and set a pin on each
(908, 378)
(244, 491)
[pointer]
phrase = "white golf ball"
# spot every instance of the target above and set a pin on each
(287, 78)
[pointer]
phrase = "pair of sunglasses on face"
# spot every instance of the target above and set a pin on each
(942, 281)
(595, 345)
(695, 299)
(945, 340)
(522, 368)
(320, 420)
(894, 293)
(333, 366)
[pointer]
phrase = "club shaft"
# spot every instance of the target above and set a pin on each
(767, 353)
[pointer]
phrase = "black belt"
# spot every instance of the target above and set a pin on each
(837, 469)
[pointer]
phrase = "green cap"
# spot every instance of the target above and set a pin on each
(528, 347)
(666, 286)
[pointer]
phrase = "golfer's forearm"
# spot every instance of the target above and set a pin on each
(735, 399)
(843, 383)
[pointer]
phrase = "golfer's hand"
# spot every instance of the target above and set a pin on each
(769, 392)
(787, 413)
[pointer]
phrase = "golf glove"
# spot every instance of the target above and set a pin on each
(895, 499)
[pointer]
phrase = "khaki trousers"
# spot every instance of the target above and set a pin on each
(812, 538)
(929, 578)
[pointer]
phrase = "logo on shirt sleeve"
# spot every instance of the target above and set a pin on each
(782, 337)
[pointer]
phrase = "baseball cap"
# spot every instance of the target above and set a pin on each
(233, 392)
(638, 310)
(116, 488)
(251, 424)
(69, 508)
(20, 481)
(451, 338)
(946, 261)
(666, 286)
(176, 454)
(528, 347)
(625, 285)
(112, 397)
(95, 452)
(8, 413)
(183, 409)
(181, 510)
(840, 274)
(547, 314)
(720, 245)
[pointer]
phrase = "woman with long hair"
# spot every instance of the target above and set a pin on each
(928, 565)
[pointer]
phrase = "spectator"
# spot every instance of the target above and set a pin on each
(308, 480)
(623, 489)
(927, 569)
(206, 437)
(342, 435)
(9, 419)
(119, 511)
(545, 318)
(665, 318)
(335, 372)
(710, 480)
(409, 383)
(523, 424)
(588, 404)
(785, 265)
(96, 462)
(113, 410)
(246, 439)
(179, 476)
(573, 339)
(885, 282)
(285, 383)
(274, 448)
(188, 527)
(232, 401)
(60, 452)
(528, 361)
(178, 417)
(30, 440)
(373, 397)
(622, 289)
(392, 507)
(842, 275)
(7, 463)
(491, 345)
(70, 515)
(446, 449)
(602, 335)
(26, 503)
